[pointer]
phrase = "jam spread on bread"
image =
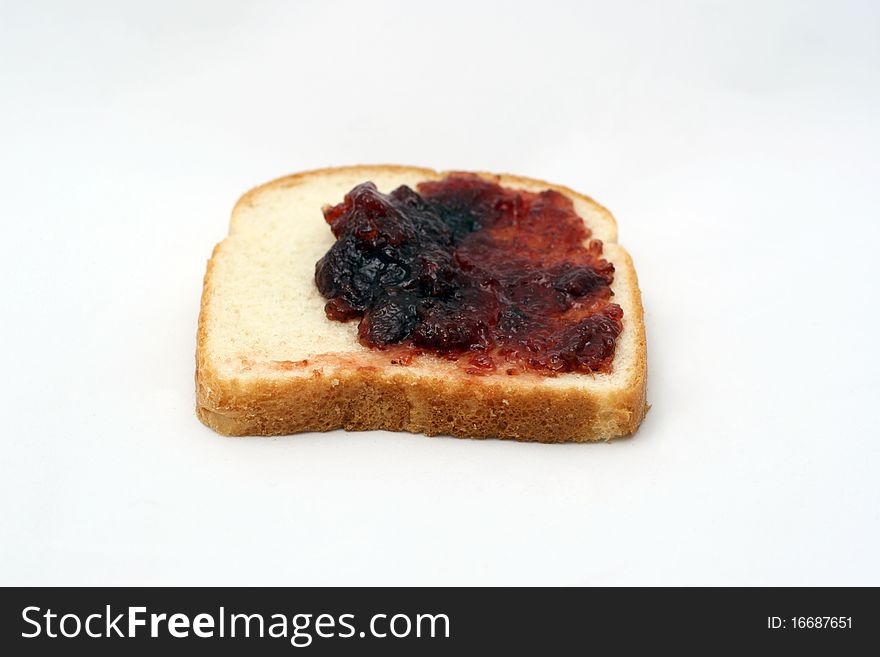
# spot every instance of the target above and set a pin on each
(503, 280)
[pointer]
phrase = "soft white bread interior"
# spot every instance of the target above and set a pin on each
(270, 362)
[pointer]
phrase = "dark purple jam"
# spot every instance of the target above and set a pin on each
(467, 269)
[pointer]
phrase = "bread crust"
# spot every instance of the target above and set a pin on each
(369, 397)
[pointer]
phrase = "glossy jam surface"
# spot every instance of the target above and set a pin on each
(503, 280)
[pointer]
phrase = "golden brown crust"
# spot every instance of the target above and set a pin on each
(362, 398)
(366, 170)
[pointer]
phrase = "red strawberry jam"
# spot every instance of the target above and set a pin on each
(503, 279)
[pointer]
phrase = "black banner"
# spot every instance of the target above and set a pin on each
(115, 621)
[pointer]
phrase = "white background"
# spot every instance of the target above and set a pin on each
(737, 143)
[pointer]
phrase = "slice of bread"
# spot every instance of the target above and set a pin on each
(269, 362)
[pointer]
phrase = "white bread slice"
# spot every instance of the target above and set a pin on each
(269, 362)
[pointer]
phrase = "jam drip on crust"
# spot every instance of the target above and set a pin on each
(503, 280)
